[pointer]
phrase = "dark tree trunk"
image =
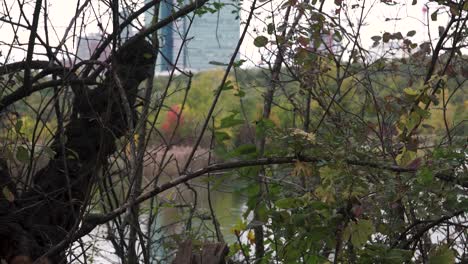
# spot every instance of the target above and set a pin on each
(42, 216)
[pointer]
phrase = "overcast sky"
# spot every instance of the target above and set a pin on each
(380, 18)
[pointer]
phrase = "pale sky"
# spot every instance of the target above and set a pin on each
(409, 17)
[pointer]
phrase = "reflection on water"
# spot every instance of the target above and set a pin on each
(172, 220)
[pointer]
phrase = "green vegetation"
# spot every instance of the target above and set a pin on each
(325, 152)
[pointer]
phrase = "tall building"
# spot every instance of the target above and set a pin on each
(211, 37)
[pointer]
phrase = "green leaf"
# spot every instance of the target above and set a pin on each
(147, 55)
(405, 157)
(286, 203)
(73, 155)
(263, 126)
(434, 16)
(227, 86)
(262, 213)
(413, 121)
(245, 149)
(359, 232)
(411, 33)
(218, 5)
(386, 37)
(397, 35)
(376, 38)
(22, 154)
(326, 194)
(9, 196)
(397, 256)
(463, 205)
(221, 136)
(230, 121)
(293, 251)
(270, 28)
(410, 91)
(280, 40)
(337, 36)
(328, 175)
(238, 63)
(252, 190)
(442, 255)
(423, 113)
(425, 176)
(217, 63)
(427, 126)
(18, 125)
(260, 41)
(240, 93)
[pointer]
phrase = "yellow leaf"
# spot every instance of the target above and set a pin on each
(325, 194)
(405, 157)
(8, 194)
(302, 168)
(251, 237)
(235, 231)
(128, 149)
(410, 91)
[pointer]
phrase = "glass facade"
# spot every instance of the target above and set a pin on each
(211, 37)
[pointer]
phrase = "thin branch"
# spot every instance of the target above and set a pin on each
(32, 38)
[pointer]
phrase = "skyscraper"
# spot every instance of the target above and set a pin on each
(211, 37)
